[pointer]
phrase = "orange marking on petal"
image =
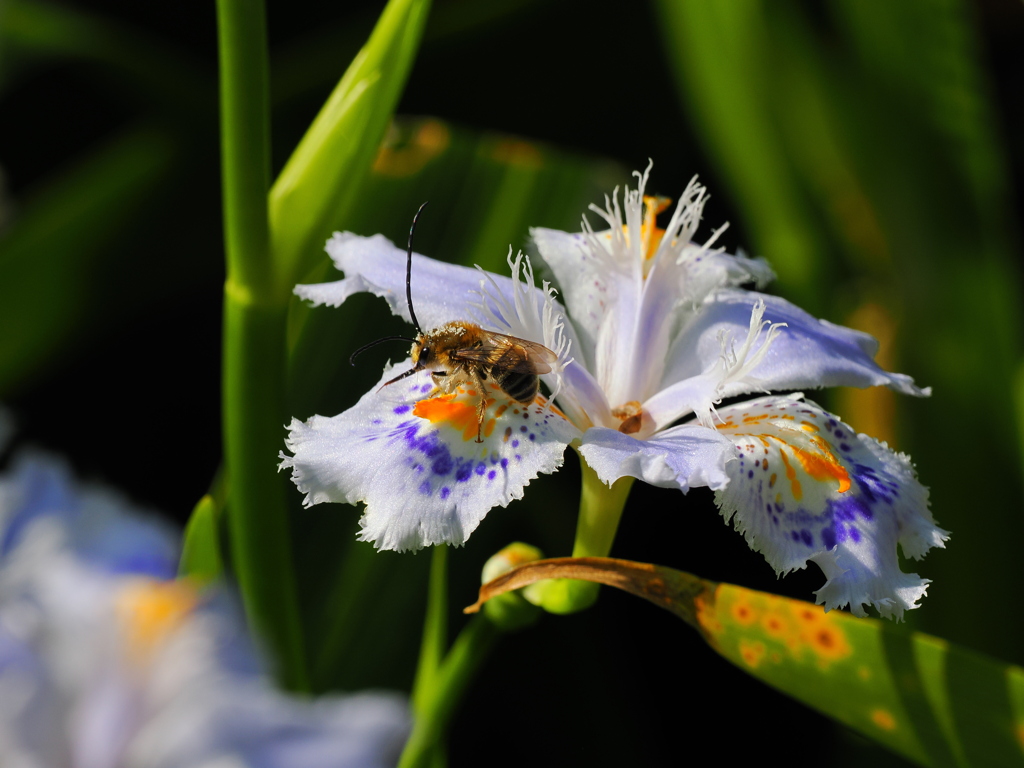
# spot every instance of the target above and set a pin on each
(543, 401)
(798, 491)
(809, 427)
(772, 479)
(456, 413)
(489, 427)
(823, 467)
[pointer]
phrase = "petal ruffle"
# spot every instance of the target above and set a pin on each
(807, 487)
(683, 457)
(807, 353)
(584, 281)
(415, 462)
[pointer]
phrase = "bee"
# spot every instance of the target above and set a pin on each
(461, 354)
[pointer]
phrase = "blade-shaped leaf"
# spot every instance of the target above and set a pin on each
(323, 178)
(929, 700)
(200, 552)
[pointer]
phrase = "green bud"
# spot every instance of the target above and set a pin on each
(510, 611)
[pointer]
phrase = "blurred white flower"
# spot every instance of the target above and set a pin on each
(107, 660)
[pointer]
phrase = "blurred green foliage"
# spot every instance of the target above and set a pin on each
(861, 147)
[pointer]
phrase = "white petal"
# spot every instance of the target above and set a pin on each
(806, 353)
(441, 292)
(807, 487)
(707, 271)
(682, 457)
(424, 481)
(587, 286)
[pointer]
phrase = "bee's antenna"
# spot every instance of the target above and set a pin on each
(354, 355)
(408, 270)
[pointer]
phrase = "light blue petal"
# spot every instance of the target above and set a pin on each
(683, 457)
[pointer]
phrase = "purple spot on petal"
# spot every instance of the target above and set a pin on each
(523, 429)
(515, 443)
(533, 436)
(828, 538)
(480, 468)
(446, 492)
(491, 475)
(805, 537)
(844, 447)
(425, 487)
(504, 463)
(518, 457)
(403, 409)
(463, 473)
(750, 473)
(854, 534)
(375, 421)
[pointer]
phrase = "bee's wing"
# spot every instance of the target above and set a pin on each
(508, 353)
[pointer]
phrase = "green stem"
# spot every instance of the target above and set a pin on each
(435, 629)
(436, 706)
(254, 344)
(600, 511)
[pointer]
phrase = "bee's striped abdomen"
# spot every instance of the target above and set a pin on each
(521, 387)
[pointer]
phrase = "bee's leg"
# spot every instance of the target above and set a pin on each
(481, 406)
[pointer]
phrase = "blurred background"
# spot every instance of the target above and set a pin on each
(873, 152)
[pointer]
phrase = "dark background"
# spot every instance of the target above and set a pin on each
(130, 391)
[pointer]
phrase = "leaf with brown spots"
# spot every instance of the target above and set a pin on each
(933, 702)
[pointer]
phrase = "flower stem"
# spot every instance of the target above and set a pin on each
(254, 344)
(435, 629)
(600, 511)
(434, 707)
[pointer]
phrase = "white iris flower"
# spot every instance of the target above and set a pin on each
(652, 332)
(107, 660)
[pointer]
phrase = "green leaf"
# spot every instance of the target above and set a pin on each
(200, 552)
(323, 178)
(924, 698)
(50, 253)
(718, 52)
